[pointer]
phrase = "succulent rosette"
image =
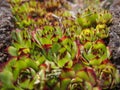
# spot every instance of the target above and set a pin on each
(95, 52)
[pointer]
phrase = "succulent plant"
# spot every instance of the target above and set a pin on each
(87, 35)
(58, 51)
(94, 53)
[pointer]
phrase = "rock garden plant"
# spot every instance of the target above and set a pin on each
(52, 50)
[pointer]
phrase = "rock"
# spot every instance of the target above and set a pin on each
(6, 26)
(114, 42)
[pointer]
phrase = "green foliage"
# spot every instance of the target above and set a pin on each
(95, 52)
(51, 49)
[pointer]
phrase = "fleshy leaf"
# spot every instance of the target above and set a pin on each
(12, 51)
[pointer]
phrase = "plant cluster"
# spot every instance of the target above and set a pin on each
(52, 50)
